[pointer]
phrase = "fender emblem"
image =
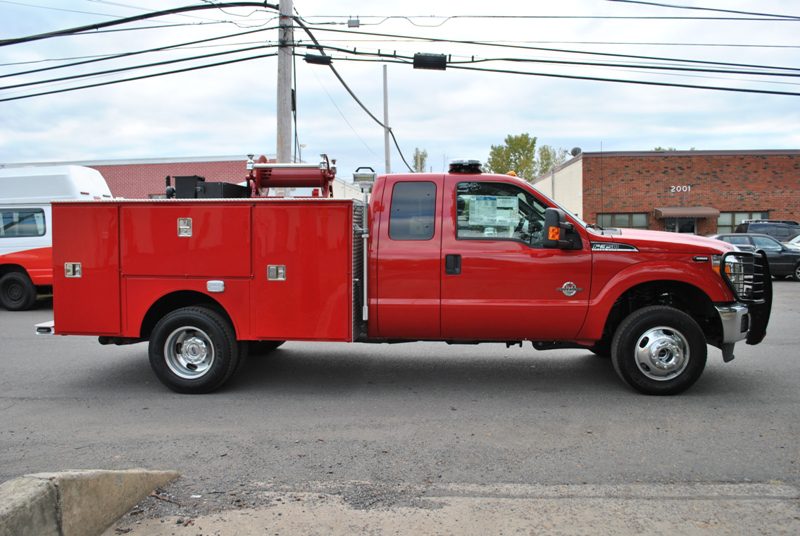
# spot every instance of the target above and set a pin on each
(569, 289)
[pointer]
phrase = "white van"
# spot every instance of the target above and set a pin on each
(26, 259)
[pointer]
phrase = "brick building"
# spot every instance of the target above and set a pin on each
(700, 192)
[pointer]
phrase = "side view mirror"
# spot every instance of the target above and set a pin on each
(559, 233)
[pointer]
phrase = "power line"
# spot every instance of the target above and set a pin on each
(139, 8)
(319, 47)
(559, 50)
(388, 58)
(698, 8)
(344, 117)
(628, 66)
(639, 82)
(583, 63)
(51, 8)
(127, 20)
(613, 43)
(119, 81)
(134, 67)
(135, 53)
(409, 18)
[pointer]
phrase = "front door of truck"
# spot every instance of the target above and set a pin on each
(498, 282)
(409, 259)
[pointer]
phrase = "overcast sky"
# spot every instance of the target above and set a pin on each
(230, 110)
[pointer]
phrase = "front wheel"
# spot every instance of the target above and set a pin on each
(17, 292)
(193, 350)
(796, 273)
(659, 350)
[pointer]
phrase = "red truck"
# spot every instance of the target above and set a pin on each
(461, 257)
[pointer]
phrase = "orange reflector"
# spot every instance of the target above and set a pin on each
(553, 233)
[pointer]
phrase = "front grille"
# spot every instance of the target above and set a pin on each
(747, 275)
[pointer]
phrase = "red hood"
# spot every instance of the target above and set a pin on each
(655, 241)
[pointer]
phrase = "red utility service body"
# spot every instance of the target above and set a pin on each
(132, 258)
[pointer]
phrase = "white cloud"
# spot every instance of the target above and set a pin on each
(231, 110)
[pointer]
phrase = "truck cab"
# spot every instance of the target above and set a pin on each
(462, 257)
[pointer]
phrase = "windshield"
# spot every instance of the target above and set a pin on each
(559, 205)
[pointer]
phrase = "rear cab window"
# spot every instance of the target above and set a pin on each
(413, 211)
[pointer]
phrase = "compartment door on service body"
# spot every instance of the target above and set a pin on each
(409, 258)
(498, 282)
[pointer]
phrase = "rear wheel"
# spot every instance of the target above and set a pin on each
(796, 273)
(659, 350)
(17, 292)
(193, 350)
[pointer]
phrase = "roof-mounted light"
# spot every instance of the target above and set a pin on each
(466, 166)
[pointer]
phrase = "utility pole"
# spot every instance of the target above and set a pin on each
(284, 114)
(387, 152)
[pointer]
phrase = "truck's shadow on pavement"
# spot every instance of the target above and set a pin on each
(304, 369)
(575, 371)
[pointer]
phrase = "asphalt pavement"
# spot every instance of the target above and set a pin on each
(384, 427)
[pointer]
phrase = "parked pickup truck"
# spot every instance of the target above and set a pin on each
(460, 257)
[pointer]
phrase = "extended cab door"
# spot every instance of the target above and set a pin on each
(409, 258)
(498, 282)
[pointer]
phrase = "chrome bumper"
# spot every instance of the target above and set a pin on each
(735, 320)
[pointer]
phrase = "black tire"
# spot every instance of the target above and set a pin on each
(796, 273)
(659, 350)
(193, 350)
(17, 292)
(261, 348)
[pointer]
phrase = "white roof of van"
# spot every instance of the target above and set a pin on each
(42, 184)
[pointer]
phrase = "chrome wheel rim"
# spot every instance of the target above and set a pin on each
(189, 352)
(662, 353)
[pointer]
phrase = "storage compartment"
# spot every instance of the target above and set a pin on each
(86, 291)
(303, 270)
(185, 239)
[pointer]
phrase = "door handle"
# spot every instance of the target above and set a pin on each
(452, 264)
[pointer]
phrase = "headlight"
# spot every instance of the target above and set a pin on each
(738, 270)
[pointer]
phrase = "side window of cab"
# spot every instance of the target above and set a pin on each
(498, 211)
(413, 211)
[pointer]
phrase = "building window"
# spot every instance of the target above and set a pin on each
(680, 225)
(20, 222)
(629, 220)
(413, 211)
(727, 221)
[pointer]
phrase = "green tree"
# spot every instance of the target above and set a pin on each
(420, 160)
(517, 154)
(550, 157)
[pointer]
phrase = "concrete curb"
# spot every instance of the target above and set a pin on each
(73, 503)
